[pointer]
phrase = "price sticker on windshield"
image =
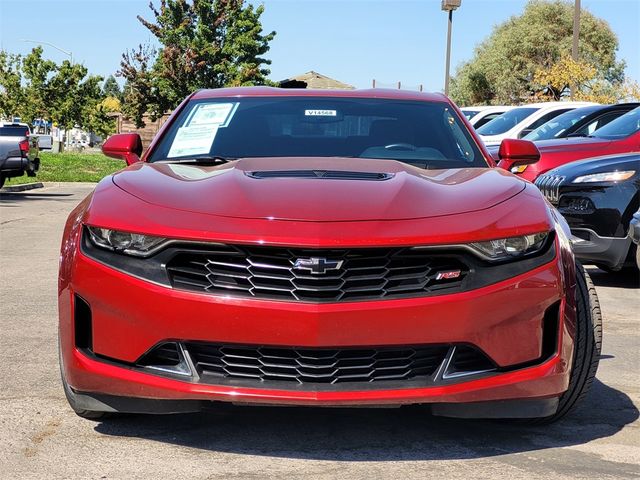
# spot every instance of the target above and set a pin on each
(195, 140)
(320, 113)
(211, 114)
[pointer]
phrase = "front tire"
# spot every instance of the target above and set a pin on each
(587, 346)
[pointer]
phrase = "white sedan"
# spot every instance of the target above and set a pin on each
(519, 121)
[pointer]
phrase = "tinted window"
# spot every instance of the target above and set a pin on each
(470, 113)
(557, 126)
(507, 121)
(18, 131)
(428, 135)
(621, 127)
(599, 122)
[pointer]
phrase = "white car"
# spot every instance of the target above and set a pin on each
(520, 121)
(481, 114)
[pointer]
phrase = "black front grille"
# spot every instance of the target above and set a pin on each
(316, 275)
(549, 185)
(314, 366)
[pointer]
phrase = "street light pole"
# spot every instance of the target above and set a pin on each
(448, 60)
(449, 6)
(70, 54)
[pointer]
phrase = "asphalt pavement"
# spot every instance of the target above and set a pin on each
(40, 437)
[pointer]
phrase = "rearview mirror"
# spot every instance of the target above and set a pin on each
(518, 152)
(124, 146)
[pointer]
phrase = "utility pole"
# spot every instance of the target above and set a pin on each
(576, 37)
(449, 6)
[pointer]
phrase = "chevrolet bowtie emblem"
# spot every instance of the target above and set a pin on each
(317, 266)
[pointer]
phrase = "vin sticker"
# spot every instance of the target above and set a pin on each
(320, 113)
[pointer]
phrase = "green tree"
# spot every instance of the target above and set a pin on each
(36, 74)
(110, 88)
(11, 91)
(503, 67)
(204, 44)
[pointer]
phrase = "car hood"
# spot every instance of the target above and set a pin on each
(318, 189)
(608, 163)
(572, 144)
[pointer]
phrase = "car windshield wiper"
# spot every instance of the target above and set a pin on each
(203, 160)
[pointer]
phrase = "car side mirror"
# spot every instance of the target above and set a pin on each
(124, 146)
(518, 152)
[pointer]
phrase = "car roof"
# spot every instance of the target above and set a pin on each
(554, 105)
(481, 108)
(303, 92)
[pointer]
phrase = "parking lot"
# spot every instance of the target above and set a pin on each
(42, 438)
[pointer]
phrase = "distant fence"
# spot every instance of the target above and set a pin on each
(126, 125)
(397, 85)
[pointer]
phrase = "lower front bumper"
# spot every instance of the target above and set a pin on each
(529, 408)
(589, 247)
(130, 316)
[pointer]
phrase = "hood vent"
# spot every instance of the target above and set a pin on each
(321, 174)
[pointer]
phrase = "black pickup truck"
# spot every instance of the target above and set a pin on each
(19, 151)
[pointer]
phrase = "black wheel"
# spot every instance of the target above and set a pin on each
(71, 396)
(588, 344)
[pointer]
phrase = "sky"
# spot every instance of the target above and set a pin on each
(354, 41)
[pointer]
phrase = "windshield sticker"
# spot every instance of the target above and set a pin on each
(320, 113)
(193, 140)
(212, 114)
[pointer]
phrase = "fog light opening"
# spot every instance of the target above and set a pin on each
(169, 357)
(464, 361)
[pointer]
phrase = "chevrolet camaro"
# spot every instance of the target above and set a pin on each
(322, 248)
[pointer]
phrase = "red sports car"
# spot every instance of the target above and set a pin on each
(622, 135)
(299, 247)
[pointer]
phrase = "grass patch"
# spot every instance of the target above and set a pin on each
(71, 167)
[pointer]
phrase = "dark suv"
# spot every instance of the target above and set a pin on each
(598, 198)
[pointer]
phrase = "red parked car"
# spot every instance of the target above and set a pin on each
(622, 135)
(300, 247)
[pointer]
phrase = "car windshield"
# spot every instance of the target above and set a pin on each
(470, 113)
(555, 127)
(621, 127)
(424, 134)
(507, 121)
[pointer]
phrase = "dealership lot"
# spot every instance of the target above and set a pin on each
(42, 438)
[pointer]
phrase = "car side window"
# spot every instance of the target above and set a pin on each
(487, 119)
(542, 120)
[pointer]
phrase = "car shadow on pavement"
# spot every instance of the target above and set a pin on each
(402, 434)
(623, 279)
(14, 197)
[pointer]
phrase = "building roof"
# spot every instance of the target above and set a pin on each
(314, 80)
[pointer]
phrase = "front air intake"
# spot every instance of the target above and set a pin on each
(82, 323)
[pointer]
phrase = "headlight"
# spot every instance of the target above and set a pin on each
(605, 177)
(512, 247)
(134, 244)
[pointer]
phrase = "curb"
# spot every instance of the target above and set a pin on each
(21, 188)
